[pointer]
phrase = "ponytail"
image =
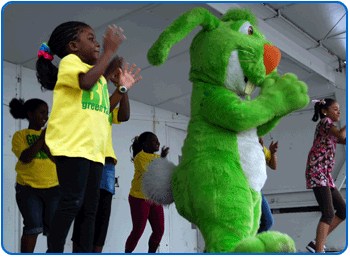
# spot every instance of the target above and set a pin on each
(46, 73)
(137, 145)
(57, 45)
(19, 109)
(319, 106)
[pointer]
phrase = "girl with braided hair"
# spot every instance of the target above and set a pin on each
(78, 126)
(320, 164)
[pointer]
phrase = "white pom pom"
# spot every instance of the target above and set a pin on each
(156, 182)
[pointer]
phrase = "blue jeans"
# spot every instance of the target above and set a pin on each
(266, 220)
(108, 176)
(37, 206)
(79, 180)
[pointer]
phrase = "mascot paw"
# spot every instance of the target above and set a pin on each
(290, 93)
(267, 242)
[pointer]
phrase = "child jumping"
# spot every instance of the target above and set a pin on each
(144, 148)
(78, 126)
(37, 190)
(320, 164)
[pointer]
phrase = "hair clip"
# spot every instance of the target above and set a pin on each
(319, 101)
(45, 52)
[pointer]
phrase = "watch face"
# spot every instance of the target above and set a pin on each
(122, 89)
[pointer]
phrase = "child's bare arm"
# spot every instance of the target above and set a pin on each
(123, 78)
(124, 109)
(29, 154)
(340, 134)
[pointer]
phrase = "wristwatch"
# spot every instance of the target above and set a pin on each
(122, 89)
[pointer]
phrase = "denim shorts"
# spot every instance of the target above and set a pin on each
(108, 177)
(37, 207)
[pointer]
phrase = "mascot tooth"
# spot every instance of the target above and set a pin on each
(217, 184)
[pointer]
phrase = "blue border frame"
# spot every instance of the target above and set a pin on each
(183, 1)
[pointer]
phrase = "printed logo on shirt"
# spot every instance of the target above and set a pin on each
(97, 98)
(110, 118)
(31, 139)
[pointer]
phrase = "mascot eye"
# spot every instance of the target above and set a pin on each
(246, 28)
(250, 30)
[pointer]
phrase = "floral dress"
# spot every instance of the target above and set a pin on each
(321, 157)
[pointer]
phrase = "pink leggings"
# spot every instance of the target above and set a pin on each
(141, 211)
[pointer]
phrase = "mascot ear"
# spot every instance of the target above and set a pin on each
(178, 30)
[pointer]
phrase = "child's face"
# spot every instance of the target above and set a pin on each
(40, 116)
(88, 49)
(333, 112)
(152, 144)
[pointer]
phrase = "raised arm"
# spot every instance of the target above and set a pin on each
(340, 134)
(273, 149)
(111, 43)
(124, 109)
(223, 108)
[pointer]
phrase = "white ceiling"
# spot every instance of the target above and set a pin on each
(27, 25)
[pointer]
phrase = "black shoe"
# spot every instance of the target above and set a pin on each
(312, 247)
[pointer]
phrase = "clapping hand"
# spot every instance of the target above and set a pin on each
(273, 147)
(113, 67)
(165, 152)
(127, 78)
(112, 39)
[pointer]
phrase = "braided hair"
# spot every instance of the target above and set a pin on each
(321, 105)
(58, 42)
(137, 145)
(19, 109)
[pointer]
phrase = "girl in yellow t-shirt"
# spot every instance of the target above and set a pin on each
(37, 191)
(78, 126)
(144, 148)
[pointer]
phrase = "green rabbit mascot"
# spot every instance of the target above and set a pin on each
(218, 183)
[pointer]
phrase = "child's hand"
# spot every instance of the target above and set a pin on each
(113, 68)
(165, 152)
(273, 147)
(126, 78)
(112, 39)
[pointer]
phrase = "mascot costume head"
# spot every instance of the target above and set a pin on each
(218, 183)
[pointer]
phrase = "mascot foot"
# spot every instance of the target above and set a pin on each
(266, 242)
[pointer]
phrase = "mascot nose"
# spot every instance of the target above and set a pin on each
(272, 57)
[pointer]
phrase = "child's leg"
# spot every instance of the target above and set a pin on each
(31, 207)
(324, 198)
(266, 220)
(102, 220)
(156, 219)
(139, 214)
(340, 206)
(51, 199)
(84, 224)
(72, 175)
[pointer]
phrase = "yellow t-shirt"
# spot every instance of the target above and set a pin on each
(113, 119)
(141, 162)
(267, 156)
(41, 171)
(78, 125)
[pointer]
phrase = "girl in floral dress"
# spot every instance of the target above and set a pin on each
(319, 166)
